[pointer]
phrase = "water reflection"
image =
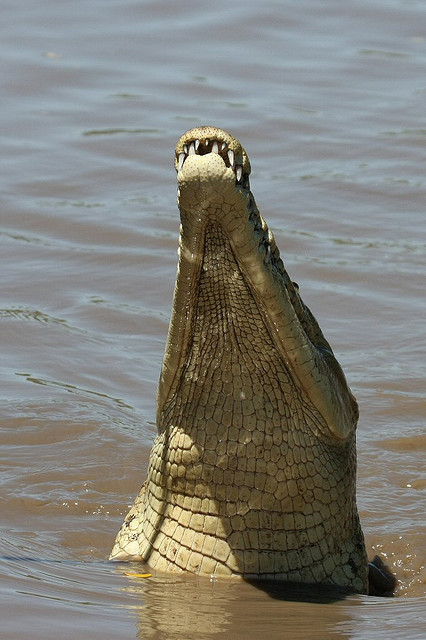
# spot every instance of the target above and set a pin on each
(193, 607)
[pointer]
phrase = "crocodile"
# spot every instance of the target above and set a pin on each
(253, 470)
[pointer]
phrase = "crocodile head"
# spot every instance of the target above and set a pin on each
(253, 471)
(225, 245)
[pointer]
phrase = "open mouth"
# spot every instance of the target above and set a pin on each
(202, 147)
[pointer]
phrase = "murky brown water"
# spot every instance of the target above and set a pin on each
(328, 99)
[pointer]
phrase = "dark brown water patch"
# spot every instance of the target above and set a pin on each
(406, 444)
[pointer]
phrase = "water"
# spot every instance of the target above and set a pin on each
(328, 99)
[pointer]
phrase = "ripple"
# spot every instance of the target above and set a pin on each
(119, 131)
(411, 133)
(73, 389)
(383, 53)
(34, 314)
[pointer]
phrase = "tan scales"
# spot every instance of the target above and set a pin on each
(253, 472)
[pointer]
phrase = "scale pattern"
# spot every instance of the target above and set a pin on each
(244, 478)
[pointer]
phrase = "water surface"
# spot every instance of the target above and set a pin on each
(328, 99)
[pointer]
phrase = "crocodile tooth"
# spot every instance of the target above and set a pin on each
(182, 157)
(231, 157)
(223, 146)
(185, 148)
(215, 147)
(191, 149)
(197, 144)
(238, 172)
(207, 142)
(268, 255)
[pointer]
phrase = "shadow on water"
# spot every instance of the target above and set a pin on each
(382, 583)
(296, 592)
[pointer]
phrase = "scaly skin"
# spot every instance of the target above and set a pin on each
(254, 468)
